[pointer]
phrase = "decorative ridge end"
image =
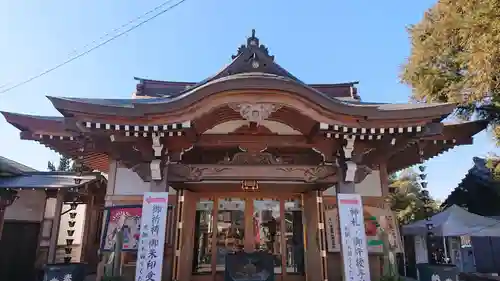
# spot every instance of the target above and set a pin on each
(252, 44)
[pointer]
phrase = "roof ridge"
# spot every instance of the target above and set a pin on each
(14, 165)
(62, 173)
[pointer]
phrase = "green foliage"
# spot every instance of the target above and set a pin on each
(455, 57)
(51, 167)
(493, 163)
(408, 201)
(65, 165)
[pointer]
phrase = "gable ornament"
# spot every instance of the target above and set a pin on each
(255, 112)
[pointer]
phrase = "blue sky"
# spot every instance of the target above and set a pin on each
(317, 41)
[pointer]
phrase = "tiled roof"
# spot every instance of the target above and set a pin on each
(12, 167)
(50, 180)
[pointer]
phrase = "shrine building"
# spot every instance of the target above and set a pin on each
(252, 158)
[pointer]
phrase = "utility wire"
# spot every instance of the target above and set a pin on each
(75, 52)
(98, 45)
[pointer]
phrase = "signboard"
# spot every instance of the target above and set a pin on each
(391, 228)
(420, 249)
(373, 237)
(127, 216)
(152, 236)
(353, 237)
(332, 227)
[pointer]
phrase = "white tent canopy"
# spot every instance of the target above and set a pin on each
(456, 221)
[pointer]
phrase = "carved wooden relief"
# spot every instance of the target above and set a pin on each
(312, 174)
(249, 158)
(361, 172)
(255, 112)
(179, 173)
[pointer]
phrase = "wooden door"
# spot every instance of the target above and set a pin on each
(18, 248)
(225, 222)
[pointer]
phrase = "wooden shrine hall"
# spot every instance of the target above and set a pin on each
(252, 158)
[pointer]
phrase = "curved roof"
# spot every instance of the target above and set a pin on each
(252, 77)
(248, 82)
(251, 69)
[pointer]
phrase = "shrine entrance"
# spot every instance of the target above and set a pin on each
(249, 223)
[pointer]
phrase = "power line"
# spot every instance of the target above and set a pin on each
(120, 27)
(98, 45)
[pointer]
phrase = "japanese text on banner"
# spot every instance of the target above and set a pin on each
(152, 239)
(354, 247)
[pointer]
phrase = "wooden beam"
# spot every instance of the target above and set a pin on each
(269, 140)
(301, 173)
(195, 173)
(388, 148)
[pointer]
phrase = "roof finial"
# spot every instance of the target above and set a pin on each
(253, 41)
(251, 46)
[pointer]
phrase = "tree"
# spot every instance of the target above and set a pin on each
(455, 57)
(493, 163)
(479, 191)
(407, 198)
(65, 165)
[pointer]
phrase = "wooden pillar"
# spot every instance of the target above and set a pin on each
(314, 236)
(320, 208)
(2, 219)
(187, 238)
(7, 198)
(384, 179)
(54, 234)
(178, 233)
(345, 185)
(186, 210)
(89, 230)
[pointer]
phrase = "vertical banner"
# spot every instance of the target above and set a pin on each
(332, 226)
(152, 236)
(421, 249)
(353, 237)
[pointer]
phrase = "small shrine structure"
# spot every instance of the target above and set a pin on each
(253, 158)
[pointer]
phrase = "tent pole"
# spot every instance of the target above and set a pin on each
(445, 246)
(492, 252)
(404, 255)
